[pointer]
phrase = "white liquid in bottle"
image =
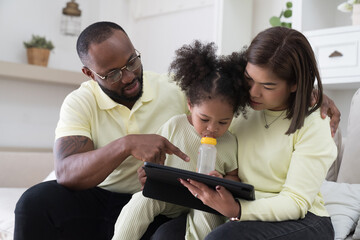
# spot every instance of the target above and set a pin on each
(207, 155)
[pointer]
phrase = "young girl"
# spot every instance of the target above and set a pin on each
(284, 147)
(215, 93)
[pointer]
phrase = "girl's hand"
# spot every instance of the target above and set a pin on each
(220, 199)
(216, 174)
(141, 176)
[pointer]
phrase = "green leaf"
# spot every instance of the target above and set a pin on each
(286, 24)
(275, 21)
(288, 13)
(39, 42)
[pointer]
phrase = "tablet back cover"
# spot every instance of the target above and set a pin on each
(162, 184)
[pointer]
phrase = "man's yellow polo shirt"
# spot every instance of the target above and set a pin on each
(89, 112)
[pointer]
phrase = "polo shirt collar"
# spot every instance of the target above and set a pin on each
(105, 102)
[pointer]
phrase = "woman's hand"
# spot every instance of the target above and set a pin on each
(141, 176)
(220, 199)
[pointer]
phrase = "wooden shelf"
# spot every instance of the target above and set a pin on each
(41, 74)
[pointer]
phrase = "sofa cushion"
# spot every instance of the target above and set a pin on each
(333, 172)
(8, 200)
(342, 201)
(348, 172)
(7, 203)
(50, 177)
(357, 231)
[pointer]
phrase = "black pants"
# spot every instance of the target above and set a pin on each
(311, 227)
(176, 228)
(51, 211)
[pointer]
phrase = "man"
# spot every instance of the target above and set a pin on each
(105, 128)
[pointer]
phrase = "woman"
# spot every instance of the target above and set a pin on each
(284, 147)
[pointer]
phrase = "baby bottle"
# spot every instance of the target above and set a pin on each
(206, 155)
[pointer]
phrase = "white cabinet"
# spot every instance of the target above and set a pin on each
(338, 54)
(334, 40)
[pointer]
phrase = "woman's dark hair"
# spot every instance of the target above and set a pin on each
(202, 75)
(94, 33)
(288, 54)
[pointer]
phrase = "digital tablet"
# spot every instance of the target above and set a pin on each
(162, 184)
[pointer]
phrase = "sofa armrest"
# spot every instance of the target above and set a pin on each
(334, 169)
(350, 165)
(24, 169)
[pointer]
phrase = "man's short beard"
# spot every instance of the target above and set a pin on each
(121, 98)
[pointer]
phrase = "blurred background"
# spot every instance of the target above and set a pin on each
(31, 96)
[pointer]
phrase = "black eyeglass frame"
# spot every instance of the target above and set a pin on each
(120, 70)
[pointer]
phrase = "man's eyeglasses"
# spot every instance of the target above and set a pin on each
(116, 75)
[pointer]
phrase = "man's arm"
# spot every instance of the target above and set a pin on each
(79, 166)
(328, 108)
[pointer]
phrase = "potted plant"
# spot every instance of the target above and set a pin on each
(351, 6)
(38, 50)
(277, 21)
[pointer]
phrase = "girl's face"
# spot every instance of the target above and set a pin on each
(212, 117)
(267, 91)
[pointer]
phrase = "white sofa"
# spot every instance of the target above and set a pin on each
(19, 170)
(341, 191)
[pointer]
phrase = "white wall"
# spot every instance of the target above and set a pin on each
(158, 36)
(263, 11)
(19, 19)
(234, 25)
(29, 113)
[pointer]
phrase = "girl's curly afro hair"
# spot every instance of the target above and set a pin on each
(202, 75)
